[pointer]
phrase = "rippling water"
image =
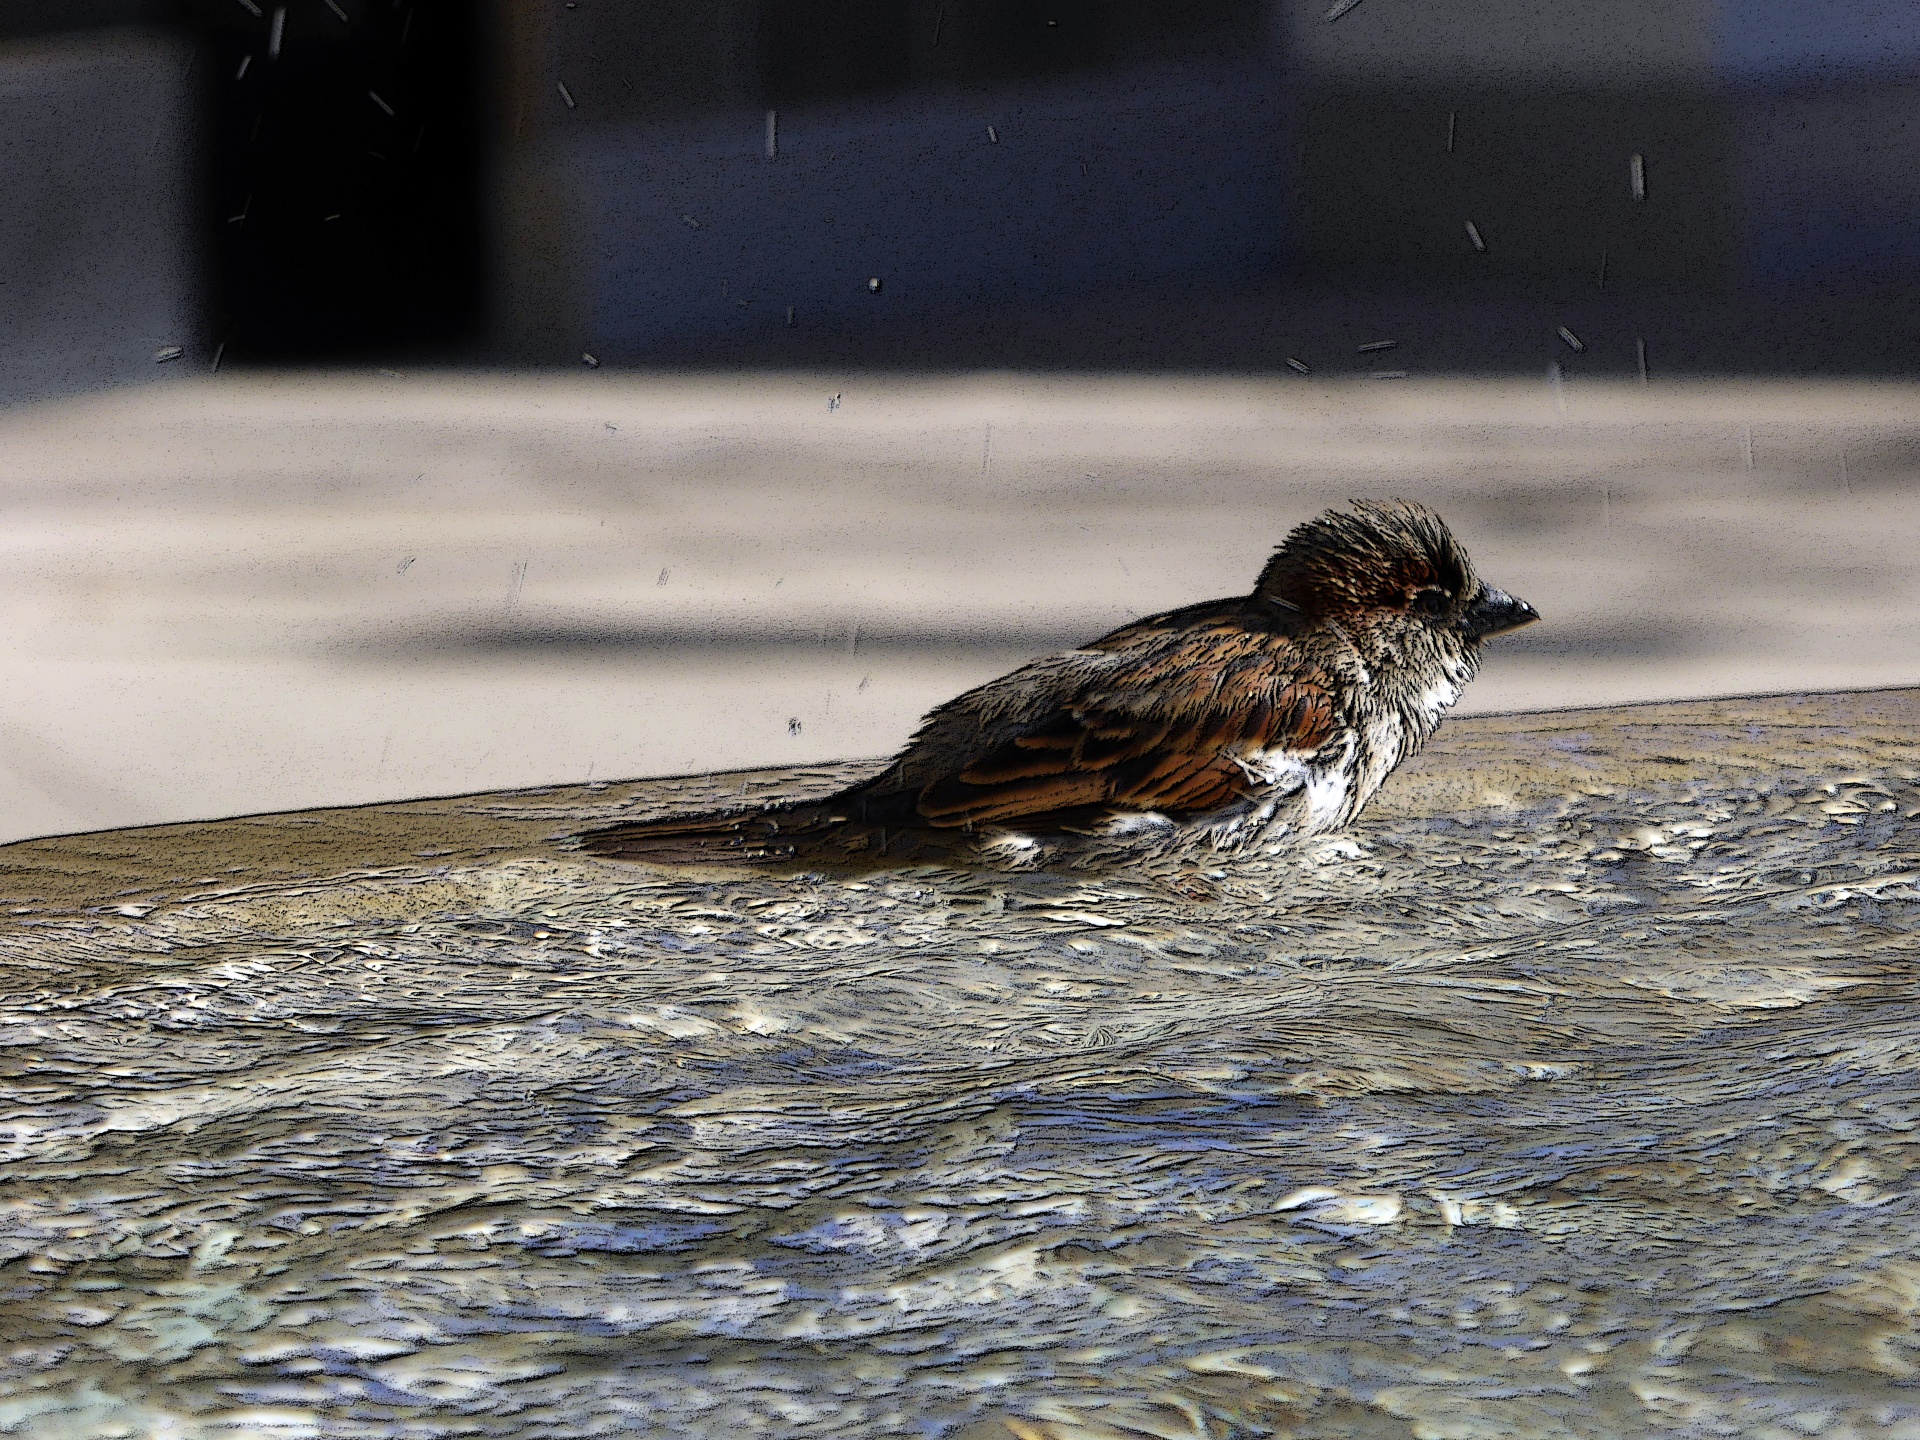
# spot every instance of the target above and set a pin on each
(1572, 1093)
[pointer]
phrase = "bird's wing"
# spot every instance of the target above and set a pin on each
(1165, 727)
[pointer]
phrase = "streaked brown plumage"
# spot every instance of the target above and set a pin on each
(1219, 727)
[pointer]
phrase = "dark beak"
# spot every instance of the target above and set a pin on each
(1494, 611)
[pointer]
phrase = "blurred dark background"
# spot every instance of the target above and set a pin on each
(1687, 186)
(333, 186)
(725, 417)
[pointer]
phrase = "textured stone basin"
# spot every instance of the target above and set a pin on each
(1572, 1093)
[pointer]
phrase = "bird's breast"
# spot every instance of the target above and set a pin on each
(1437, 697)
(1323, 784)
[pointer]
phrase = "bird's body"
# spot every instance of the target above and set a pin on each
(1223, 727)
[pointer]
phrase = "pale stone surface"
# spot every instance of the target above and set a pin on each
(261, 593)
(1570, 1094)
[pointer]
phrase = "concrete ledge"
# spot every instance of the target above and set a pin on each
(1570, 1092)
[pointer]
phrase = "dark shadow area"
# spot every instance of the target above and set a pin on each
(1651, 638)
(814, 51)
(339, 158)
(1391, 178)
(33, 19)
(1000, 40)
(849, 836)
(1466, 329)
(843, 48)
(587, 638)
(343, 175)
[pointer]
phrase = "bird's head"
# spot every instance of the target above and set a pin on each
(1377, 563)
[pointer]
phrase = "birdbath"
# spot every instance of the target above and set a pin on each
(1572, 1091)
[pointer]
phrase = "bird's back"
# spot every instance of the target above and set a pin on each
(1154, 716)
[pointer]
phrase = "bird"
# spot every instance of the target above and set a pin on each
(1205, 733)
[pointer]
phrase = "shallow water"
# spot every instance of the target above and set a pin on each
(1571, 1093)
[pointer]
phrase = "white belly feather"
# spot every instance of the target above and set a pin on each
(1322, 784)
(1294, 794)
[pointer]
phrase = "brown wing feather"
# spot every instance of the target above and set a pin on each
(1166, 736)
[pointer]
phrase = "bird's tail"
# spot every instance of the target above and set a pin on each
(746, 837)
(871, 823)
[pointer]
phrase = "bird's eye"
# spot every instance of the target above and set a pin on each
(1432, 600)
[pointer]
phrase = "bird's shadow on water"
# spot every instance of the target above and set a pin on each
(945, 859)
